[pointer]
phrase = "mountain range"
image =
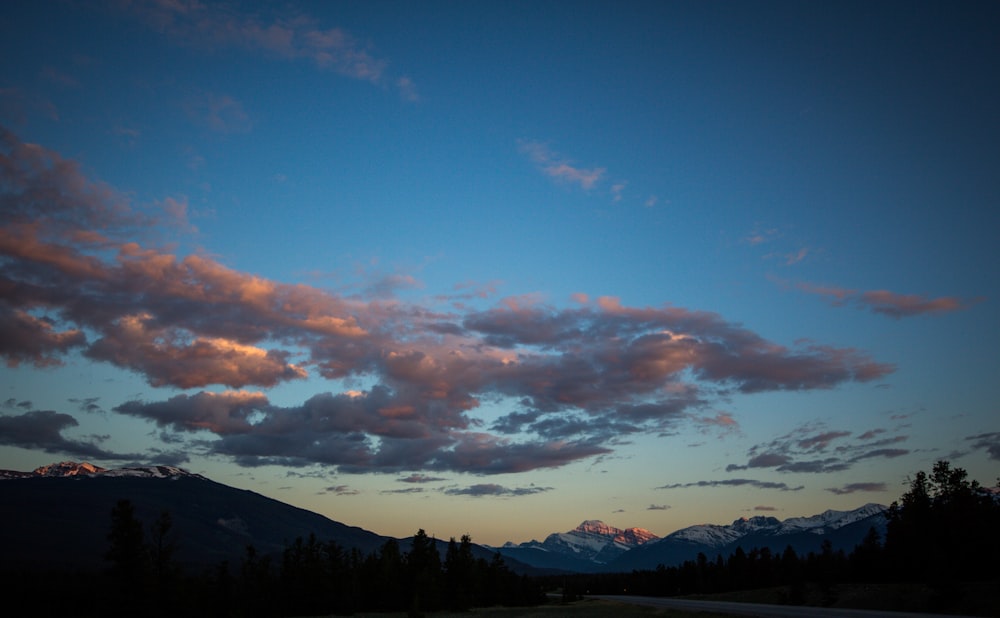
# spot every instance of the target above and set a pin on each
(58, 516)
(593, 546)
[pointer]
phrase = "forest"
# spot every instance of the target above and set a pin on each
(941, 534)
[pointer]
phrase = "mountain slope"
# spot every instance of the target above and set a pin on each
(584, 548)
(844, 530)
(63, 520)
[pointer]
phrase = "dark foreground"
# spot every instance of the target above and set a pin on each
(761, 610)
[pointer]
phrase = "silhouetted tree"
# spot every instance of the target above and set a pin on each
(460, 575)
(129, 559)
(942, 526)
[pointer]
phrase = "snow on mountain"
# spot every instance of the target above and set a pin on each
(84, 469)
(716, 535)
(594, 546)
(68, 468)
(592, 540)
(829, 520)
(159, 472)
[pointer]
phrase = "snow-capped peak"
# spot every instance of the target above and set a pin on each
(68, 468)
(158, 472)
(830, 519)
(596, 526)
(591, 540)
(85, 469)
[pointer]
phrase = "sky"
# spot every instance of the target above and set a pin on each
(498, 268)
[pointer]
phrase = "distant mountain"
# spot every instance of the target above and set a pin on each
(585, 548)
(844, 530)
(60, 515)
(595, 547)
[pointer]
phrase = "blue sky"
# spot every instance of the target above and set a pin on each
(499, 268)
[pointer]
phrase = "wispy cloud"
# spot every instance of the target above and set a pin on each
(734, 483)
(492, 489)
(657, 507)
(616, 191)
(342, 490)
(85, 274)
(420, 478)
(557, 167)
(884, 302)
(812, 448)
(218, 112)
(851, 488)
(210, 26)
(990, 442)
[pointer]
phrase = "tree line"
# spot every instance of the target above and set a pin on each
(944, 531)
(310, 577)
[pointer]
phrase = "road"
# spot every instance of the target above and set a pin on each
(763, 611)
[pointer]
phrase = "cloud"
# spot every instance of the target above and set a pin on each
(721, 421)
(794, 258)
(851, 488)
(657, 507)
(407, 89)
(616, 191)
(760, 236)
(907, 305)
(220, 113)
(167, 357)
(341, 490)
(210, 26)
(734, 483)
(420, 478)
(797, 450)
(988, 441)
(555, 166)
(25, 338)
(492, 489)
(762, 507)
(221, 413)
(83, 270)
(43, 429)
(884, 302)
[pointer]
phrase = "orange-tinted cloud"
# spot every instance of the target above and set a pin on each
(886, 303)
(78, 257)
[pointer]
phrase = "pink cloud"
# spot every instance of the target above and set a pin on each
(906, 305)
(78, 257)
(558, 168)
(26, 338)
(885, 302)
